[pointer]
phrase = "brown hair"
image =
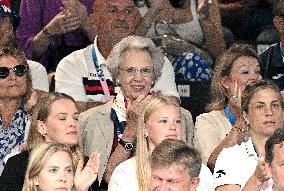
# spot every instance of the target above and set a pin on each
(251, 89)
(223, 70)
(177, 152)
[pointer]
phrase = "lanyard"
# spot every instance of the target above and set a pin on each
(230, 115)
(101, 76)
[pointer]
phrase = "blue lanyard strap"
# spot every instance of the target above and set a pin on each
(230, 115)
(98, 68)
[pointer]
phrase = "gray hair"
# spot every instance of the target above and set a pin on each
(135, 43)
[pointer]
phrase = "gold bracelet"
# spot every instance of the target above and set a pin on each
(239, 129)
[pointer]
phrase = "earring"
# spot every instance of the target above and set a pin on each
(43, 134)
(117, 83)
(152, 84)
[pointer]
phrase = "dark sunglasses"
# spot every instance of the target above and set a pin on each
(19, 70)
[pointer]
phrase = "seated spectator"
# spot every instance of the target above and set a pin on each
(235, 69)
(84, 75)
(272, 59)
(15, 90)
(53, 166)
(50, 30)
(195, 21)
(241, 167)
(274, 157)
(135, 64)
(8, 20)
(159, 119)
(55, 119)
(174, 166)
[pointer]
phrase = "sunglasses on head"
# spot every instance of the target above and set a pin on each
(19, 70)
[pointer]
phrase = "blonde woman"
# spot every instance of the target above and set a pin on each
(159, 120)
(55, 119)
(52, 167)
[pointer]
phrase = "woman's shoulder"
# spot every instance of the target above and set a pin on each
(97, 111)
(21, 158)
(214, 117)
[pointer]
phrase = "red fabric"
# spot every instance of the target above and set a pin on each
(6, 2)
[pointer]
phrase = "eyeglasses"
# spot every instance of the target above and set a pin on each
(131, 71)
(19, 70)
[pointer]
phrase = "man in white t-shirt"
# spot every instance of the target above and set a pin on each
(77, 73)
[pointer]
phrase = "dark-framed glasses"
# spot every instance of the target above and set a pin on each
(131, 71)
(19, 70)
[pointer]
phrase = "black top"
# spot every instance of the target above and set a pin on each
(272, 65)
(13, 175)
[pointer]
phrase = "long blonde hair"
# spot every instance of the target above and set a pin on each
(143, 171)
(38, 159)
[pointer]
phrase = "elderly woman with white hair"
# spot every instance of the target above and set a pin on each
(135, 64)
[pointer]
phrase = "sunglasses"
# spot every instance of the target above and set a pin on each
(19, 70)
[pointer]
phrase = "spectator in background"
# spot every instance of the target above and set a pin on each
(160, 118)
(236, 68)
(50, 30)
(54, 167)
(84, 75)
(241, 167)
(8, 21)
(174, 166)
(15, 90)
(195, 21)
(136, 64)
(272, 59)
(274, 155)
(55, 120)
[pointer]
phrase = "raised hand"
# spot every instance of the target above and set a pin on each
(85, 177)
(62, 23)
(134, 110)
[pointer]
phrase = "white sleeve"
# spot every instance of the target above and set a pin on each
(227, 166)
(166, 83)
(206, 179)
(122, 178)
(68, 79)
(39, 76)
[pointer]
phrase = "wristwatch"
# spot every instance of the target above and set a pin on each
(127, 145)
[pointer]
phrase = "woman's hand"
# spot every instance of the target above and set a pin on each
(134, 110)
(84, 177)
(62, 23)
(76, 8)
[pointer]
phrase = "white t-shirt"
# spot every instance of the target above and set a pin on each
(235, 165)
(124, 178)
(76, 76)
(39, 76)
